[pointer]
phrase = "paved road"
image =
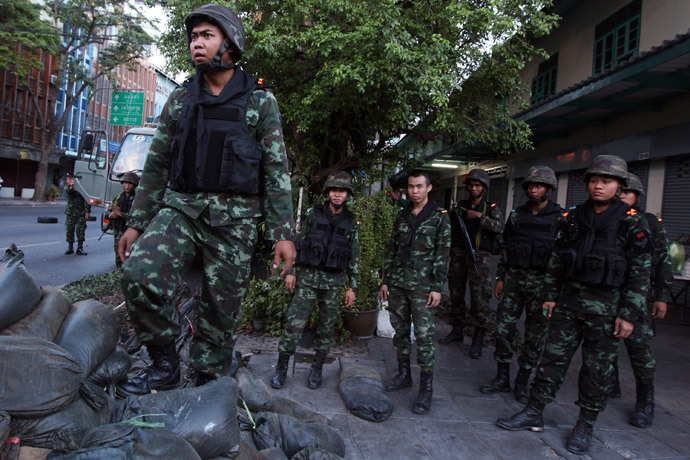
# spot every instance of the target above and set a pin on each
(44, 244)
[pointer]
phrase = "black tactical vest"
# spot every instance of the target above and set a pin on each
(326, 246)
(487, 240)
(123, 202)
(529, 242)
(591, 255)
(212, 149)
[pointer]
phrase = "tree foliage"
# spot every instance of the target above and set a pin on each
(354, 75)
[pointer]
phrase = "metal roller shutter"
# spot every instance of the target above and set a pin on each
(641, 170)
(577, 192)
(518, 194)
(676, 210)
(498, 192)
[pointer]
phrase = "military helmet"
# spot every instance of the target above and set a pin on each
(540, 175)
(634, 185)
(339, 179)
(480, 175)
(608, 165)
(130, 177)
(226, 19)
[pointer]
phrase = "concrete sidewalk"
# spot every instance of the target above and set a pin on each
(5, 201)
(461, 424)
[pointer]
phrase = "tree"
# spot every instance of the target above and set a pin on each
(115, 26)
(353, 75)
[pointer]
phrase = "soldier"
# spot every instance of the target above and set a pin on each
(638, 343)
(327, 249)
(484, 222)
(121, 208)
(595, 288)
(529, 236)
(415, 271)
(77, 211)
(219, 148)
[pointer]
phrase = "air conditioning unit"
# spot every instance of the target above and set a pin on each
(53, 79)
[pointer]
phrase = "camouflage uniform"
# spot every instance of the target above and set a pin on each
(124, 202)
(410, 283)
(219, 228)
(76, 211)
(319, 285)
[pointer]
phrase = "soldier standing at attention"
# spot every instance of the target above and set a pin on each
(77, 211)
(121, 208)
(594, 289)
(528, 239)
(638, 343)
(327, 250)
(484, 222)
(217, 168)
(415, 270)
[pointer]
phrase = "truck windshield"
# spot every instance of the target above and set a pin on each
(132, 155)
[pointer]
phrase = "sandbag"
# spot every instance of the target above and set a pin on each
(37, 377)
(292, 435)
(112, 369)
(248, 452)
(19, 293)
(90, 333)
(206, 416)
(64, 430)
(313, 453)
(260, 398)
(274, 453)
(363, 393)
(4, 427)
(45, 320)
(123, 441)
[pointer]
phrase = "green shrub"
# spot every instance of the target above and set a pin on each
(266, 301)
(52, 192)
(94, 286)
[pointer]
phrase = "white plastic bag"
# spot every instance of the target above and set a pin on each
(383, 326)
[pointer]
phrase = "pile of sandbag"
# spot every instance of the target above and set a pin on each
(363, 392)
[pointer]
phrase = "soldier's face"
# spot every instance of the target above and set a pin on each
(418, 189)
(128, 187)
(475, 188)
(629, 197)
(602, 188)
(205, 41)
(536, 191)
(70, 180)
(337, 195)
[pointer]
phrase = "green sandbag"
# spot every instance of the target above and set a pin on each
(44, 322)
(19, 293)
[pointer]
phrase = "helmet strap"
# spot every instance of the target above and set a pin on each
(217, 62)
(336, 206)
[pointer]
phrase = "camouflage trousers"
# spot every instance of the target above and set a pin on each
(460, 270)
(406, 307)
(567, 329)
(117, 234)
(160, 258)
(521, 292)
(639, 351)
(75, 224)
(298, 315)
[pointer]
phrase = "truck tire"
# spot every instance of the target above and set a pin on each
(47, 220)
(91, 219)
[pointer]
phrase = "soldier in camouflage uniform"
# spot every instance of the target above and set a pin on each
(415, 271)
(595, 289)
(216, 169)
(327, 251)
(528, 239)
(484, 222)
(122, 205)
(77, 211)
(638, 343)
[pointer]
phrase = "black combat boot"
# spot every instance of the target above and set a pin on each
(426, 389)
(455, 335)
(80, 249)
(580, 438)
(403, 379)
(500, 384)
(70, 248)
(529, 418)
(278, 379)
(315, 378)
(162, 374)
(520, 388)
(477, 343)
(643, 415)
(616, 392)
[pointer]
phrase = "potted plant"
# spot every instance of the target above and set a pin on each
(52, 192)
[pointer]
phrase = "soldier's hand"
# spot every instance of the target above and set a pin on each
(383, 292)
(350, 297)
(434, 299)
(472, 214)
(126, 242)
(623, 328)
(498, 290)
(285, 250)
(547, 308)
(86, 216)
(659, 310)
(290, 282)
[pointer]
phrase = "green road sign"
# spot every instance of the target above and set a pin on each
(127, 108)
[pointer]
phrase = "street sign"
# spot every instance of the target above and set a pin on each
(127, 108)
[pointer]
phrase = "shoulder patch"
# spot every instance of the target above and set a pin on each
(444, 211)
(493, 204)
(631, 212)
(565, 214)
(660, 219)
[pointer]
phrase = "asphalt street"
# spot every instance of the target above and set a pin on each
(44, 244)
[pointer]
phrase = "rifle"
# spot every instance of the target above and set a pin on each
(107, 227)
(466, 241)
